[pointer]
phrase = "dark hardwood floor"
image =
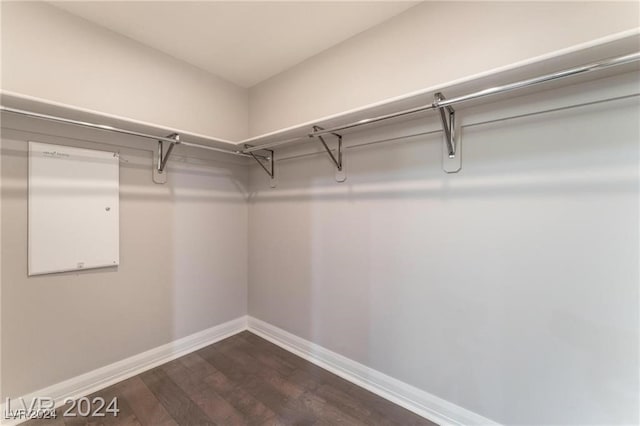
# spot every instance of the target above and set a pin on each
(242, 380)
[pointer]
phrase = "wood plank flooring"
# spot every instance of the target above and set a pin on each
(242, 380)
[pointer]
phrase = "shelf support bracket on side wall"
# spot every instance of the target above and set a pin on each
(337, 161)
(269, 159)
(162, 156)
(451, 148)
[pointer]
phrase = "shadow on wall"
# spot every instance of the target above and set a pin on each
(178, 274)
(482, 287)
(560, 162)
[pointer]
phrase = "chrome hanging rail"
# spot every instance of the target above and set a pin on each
(170, 139)
(451, 158)
(443, 103)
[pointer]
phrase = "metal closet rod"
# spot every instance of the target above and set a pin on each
(115, 130)
(595, 66)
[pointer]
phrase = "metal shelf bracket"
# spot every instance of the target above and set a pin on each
(162, 156)
(451, 148)
(337, 161)
(267, 162)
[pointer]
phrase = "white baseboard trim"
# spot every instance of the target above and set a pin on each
(420, 402)
(106, 376)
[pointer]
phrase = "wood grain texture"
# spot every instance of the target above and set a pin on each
(242, 380)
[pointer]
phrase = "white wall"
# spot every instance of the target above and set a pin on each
(510, 289)
(183, 262)
(183, 245)
(430, 44)
(51, 54)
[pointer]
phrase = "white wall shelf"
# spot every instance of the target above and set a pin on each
(613, 46)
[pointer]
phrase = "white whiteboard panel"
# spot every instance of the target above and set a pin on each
(73, 208)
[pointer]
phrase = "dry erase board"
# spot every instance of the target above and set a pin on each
(73, 208)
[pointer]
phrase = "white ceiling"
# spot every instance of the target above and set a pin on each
(243, 42)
